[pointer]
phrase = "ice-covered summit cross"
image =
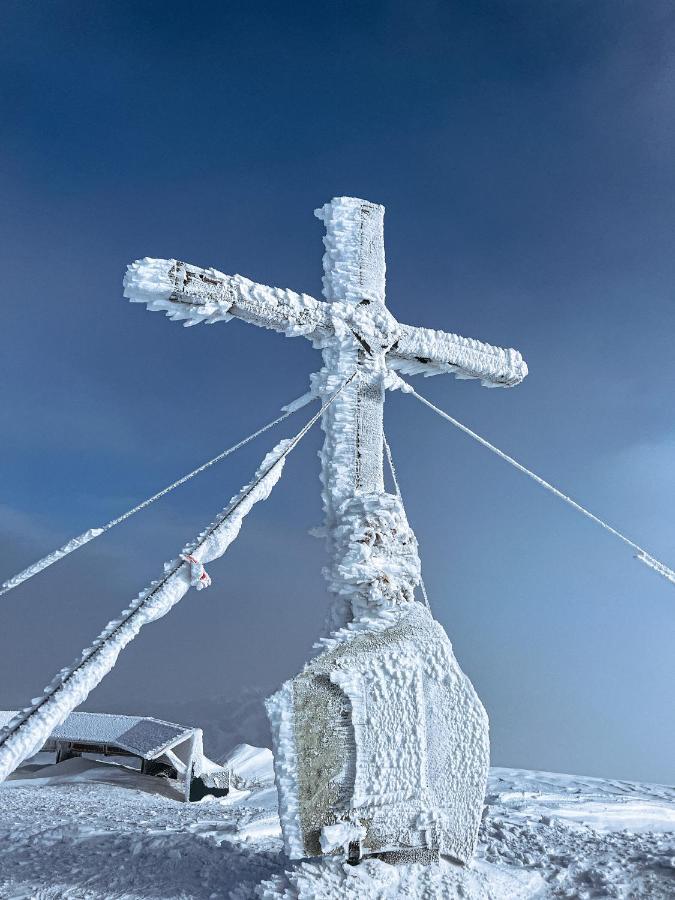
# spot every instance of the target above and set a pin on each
(355, 331)
(380, 743)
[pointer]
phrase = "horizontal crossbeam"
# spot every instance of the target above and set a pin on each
(424, 351)
(192, 294)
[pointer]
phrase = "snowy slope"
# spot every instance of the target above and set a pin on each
(93, 830)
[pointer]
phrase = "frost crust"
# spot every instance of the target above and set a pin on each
(354, 265)
(425, 351)
(389, 736)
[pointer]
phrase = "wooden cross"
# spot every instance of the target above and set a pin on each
(353, 329)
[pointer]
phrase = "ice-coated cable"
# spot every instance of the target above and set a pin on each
(392, 469)
(642, 555)
(27, 732)
(86, 536)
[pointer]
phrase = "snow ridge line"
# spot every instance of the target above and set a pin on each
(642, 555)
(27, 732)
(89, 535)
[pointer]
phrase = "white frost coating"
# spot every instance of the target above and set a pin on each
(72, 545)
(376, 565)
(280, 712)
(28, 731)
(295, 405)
(396, 383)
(405, 752)
(361, 334)
(425, 351)
(199, 577)
(353, 263)
(188, 293)
(381, 727)
(340, 835)
(145, 736)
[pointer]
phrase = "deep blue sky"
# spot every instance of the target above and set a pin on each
(525, 152)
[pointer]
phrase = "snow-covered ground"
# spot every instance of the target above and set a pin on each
(86, 829)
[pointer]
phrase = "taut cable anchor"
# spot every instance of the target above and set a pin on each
(640, 555)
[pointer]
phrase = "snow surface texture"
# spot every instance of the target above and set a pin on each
(353, 264)
(352, 455)
(90, 831)
(28, 731)
(250, 767)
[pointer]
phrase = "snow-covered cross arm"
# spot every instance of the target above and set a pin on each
(196, 295)
(424, 351)
(381, 744)
(192, 294)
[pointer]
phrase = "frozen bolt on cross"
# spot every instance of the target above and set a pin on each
(381, 743)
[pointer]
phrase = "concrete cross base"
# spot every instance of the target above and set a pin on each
(381, 744)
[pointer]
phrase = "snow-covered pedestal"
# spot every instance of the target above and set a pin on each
(383, 735)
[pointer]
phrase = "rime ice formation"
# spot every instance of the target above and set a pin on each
(27, 732)
(381, 743)
(192, 295)
(103, 831)
(388, 737)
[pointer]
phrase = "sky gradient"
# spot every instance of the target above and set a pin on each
(525, 152)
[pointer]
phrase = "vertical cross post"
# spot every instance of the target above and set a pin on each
(354, 270)
(354, 285)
